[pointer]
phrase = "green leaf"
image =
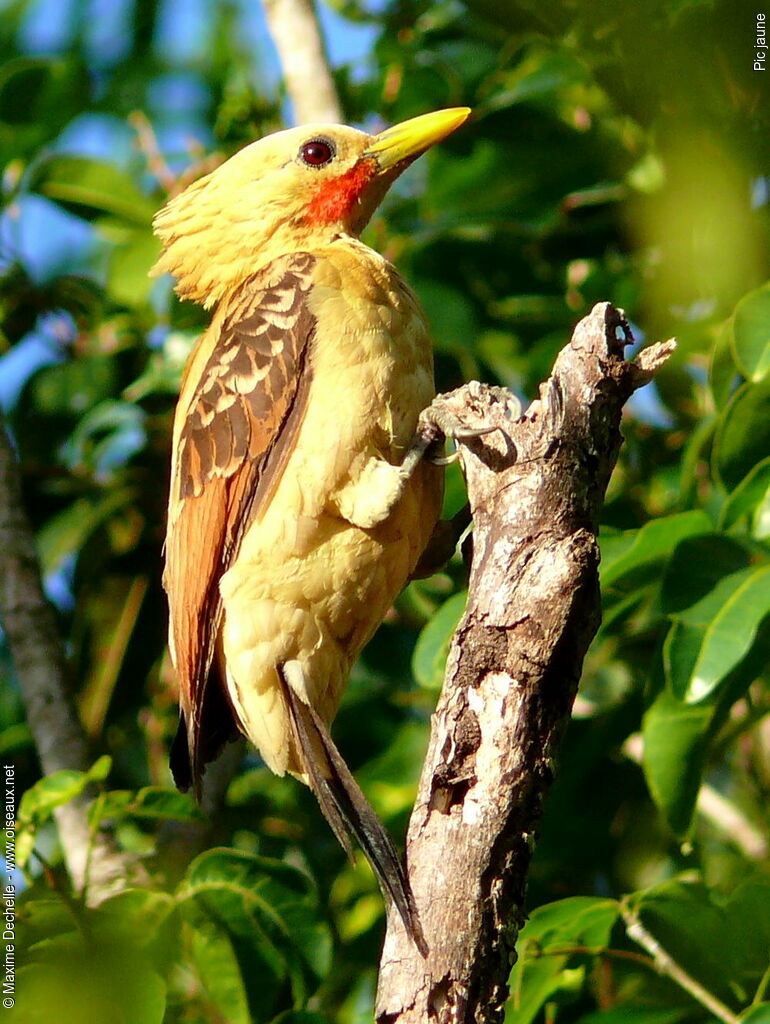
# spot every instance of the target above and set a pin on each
(66, 533)
(163, 370)
(532, 984)
(696, 567)
(269, 909)
(759, 1014)
(455, 494)
(153, 803)
(722, 629)
(747, 910)
(544, 949)
(14, 739)
(654, 542)
(91, 188)
(52, 791)
(42, 918)
(731, 633)
(743, 434)
(680, 653)
(390, 778)
(23, 84)
(675, 742)
(72, 387)
(38, 97)
(129, 282)
(71, 981)
(723, 372)
(100, 769)
(105, 439)
(300, 1017)
(432, 647)
(134, 916)
(751, 334)
(682, 916)
(220, 971)
(451, 316)
(626, 1013)
(583, 920)
(40, 801)
(159, 804)
(538, 77)
(749, 493)
(111, 804)
(693, 456)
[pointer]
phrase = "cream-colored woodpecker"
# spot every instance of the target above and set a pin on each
(292, 524)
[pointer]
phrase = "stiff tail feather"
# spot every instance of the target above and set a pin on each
(348, 812)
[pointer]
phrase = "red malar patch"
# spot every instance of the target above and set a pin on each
(336, 198)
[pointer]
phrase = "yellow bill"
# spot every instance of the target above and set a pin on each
(406, 141)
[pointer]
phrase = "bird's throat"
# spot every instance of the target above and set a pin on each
(335, 199)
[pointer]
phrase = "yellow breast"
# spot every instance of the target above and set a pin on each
(308, 584)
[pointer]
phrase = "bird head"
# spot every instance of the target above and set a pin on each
(296, 190)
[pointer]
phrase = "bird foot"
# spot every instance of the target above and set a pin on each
(437, 422)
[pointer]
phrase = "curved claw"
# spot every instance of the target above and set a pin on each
(461, 433)
(434, 422)
(443, 460)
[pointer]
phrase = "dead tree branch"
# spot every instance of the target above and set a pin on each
(536, 487)
(32, 634)
(297, 36)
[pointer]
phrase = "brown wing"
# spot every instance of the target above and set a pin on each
(240, 424)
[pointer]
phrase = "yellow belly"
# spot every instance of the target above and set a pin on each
(308, 585)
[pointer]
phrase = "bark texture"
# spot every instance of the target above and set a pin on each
(536, 486)
(32, 633)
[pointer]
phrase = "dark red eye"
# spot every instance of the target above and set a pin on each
(317, 152)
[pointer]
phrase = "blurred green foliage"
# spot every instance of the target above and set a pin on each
(618, 152)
